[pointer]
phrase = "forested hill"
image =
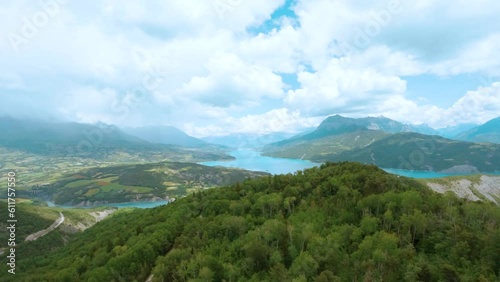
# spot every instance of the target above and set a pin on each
(340, 222)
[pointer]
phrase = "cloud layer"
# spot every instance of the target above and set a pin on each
(221, 66)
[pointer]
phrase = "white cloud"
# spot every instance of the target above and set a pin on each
(476, 106)
(340, 88)
(210, 68)
(477, 57)
(232, 82)
(277, 120)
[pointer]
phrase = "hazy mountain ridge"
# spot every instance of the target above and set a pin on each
(452, 131)
(390, 144)
(99, 141)
(487, 132)
(300, 149)
(165, 135)
(337, 125)
(413, 151)
(248, 140)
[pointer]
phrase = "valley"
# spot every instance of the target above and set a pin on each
(100, 195)
(249, 141)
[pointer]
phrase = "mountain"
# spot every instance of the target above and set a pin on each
(339, 222)
(452, 131)
(413, 151)
(488, 132)
(43, 137)
(421, 128)
(337, 125)
(98, 141)
(165, 135)
(247, 140)
(336, 134)
(307, 149)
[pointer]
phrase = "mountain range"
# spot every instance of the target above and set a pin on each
(488, 132)
(377, 140)
(336, 125)
(165, 135)
(98, 141)
(388, 143)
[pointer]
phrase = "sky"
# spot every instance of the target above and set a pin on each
(214, 67)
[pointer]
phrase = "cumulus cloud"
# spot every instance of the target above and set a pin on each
(475, 106)
(232, 82)
(277, 120)
(340, 88)
(216, 66)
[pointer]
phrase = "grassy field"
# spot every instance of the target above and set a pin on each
(125, 183)
(40, 169)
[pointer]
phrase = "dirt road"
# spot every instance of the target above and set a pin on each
(44, 232)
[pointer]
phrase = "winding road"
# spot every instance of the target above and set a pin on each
(44, 232)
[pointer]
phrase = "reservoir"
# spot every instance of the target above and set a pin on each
(253, 160)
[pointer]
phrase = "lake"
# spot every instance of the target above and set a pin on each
(421, 174)
(253, 160)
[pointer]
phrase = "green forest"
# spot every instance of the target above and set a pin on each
(338, 222)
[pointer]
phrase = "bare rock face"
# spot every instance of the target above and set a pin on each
(488, 188)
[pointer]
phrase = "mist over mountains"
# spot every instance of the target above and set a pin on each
(37, 135)
(488, 132)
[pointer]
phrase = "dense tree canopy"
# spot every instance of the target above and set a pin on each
(339, 222)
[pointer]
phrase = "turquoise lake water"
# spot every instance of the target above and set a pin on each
(422, 174)
(252, 160)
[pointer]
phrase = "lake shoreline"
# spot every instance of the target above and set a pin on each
(137, 204)
(250, 159)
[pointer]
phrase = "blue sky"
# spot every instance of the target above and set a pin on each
(213, 67)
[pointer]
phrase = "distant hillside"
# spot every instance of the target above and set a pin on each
(337, 125)
(99, 141)
(413, 151)
(339, 222)
(488, 132)
(337, 134)
(243, 140)
(142, 182)
(452, 131)
(307, 149)
(165, 135)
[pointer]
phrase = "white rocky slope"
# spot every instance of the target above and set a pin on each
(487, 188)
